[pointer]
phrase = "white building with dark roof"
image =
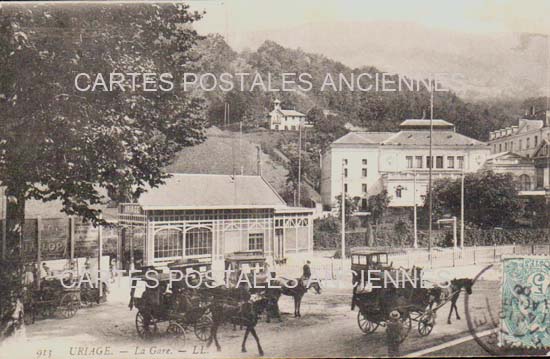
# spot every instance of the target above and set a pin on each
(369, 162)
(286, 120)
(523, 139)
(205, 217)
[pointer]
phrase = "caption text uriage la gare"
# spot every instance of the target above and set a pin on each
(371, 278)
(249, 82)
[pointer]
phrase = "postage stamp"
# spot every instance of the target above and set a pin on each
(525, 314)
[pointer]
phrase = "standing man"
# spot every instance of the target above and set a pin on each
(393, 334)
(306, 272)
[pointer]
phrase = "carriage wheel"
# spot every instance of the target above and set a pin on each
(146, 327)
(68, 305)
(426, 323)
(407, 325)
(202, 328)
(176, 334)
(366, 325)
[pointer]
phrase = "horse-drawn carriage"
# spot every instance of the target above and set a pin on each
(173, 310)
(52, 297)
(251, 264)
(391, 290)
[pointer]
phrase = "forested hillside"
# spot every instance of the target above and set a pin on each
(375, 111)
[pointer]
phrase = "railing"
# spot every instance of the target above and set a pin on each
(326, 268)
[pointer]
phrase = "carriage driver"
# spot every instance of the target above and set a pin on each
(306, 273)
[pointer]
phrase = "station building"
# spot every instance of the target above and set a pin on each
(206, 217)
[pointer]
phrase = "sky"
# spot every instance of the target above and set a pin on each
(233, 18)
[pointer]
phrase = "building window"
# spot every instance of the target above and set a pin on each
(409, 161)
(256, 241)
(500, 147)
(520, 145)
(364, 161)
(346, 172)
(364, 172)
(364, 187)
(345, 161)
(511, 146)
(494, 148)
(168, 243)
(524, 183)
(450, 162)
(536, 140)
(460, 160)
(418, 161)
(505, 146)
(198, 241)
(528, 143)
(398, 191)
(277, 127)
(428, 162)
(345, 187)
(439, 162)
(364, 204)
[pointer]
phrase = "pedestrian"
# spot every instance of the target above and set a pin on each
(28, 277)
(44, 271)
(394, 328)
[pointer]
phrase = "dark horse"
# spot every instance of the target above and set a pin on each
(295, 288)
(453, 293)
(227, 306)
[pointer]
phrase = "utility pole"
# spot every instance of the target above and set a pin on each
(462, 210)
(343, 216)
(259, 160)
(299, 164)
(430, 173)
(415, 244)
(241, 146)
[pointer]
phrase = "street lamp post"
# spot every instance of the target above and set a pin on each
(462, 209)
(299, 164)
(430, 174)
(415, 243)
(343, 254)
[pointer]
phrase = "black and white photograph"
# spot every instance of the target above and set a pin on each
(274, 178)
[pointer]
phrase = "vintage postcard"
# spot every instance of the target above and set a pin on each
(286, 179)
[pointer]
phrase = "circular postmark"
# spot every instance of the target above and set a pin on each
(485, 316)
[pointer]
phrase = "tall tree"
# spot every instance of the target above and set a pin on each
(59, 143)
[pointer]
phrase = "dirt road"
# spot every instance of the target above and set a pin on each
(328, 328)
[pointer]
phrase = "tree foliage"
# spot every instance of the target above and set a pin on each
(490, 199)
(58, 143)
(378, 205)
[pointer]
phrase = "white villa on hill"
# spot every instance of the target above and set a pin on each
(286, 120)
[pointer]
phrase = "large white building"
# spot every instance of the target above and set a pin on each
(286, 120)
(369, 162)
